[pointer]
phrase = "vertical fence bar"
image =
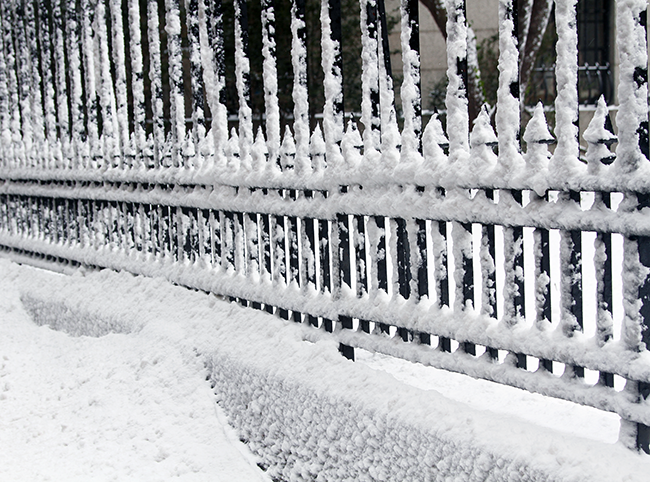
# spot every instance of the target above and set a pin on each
(177, 90)
(308, 265)
(294, 257)
(279, 253)
(119, 65)
(299, 93)
(155, 79)
(110, 130)
(330, 18)
(5, 99)
(137, 83)
(242, 73)
(266, 236)
(270, 72)
(74, 66)
(410, 92)
(361, 262)
(32, 34)
(23, 61)
(90, 84)
(12, 85)
(324, 263)
(370, 99)
(196, 75)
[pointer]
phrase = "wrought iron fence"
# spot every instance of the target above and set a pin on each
(408, 242)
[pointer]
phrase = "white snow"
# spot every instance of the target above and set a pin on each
(117, 391)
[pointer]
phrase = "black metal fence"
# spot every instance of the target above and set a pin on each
(412, 242)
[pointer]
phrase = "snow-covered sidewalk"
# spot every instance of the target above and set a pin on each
(131, 402)
(127, 407)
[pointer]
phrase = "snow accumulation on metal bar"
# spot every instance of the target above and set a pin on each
(352, 230)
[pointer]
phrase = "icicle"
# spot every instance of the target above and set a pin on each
(155, 77)
(242, 75)
(214, 71)
(333, 80)
(508, 105)
(92, 100)
(232, 152)
(137, 83)
(177, 93)
(317, 149)
(270, 74)
(599, 139)
(196, 74)
(299, 94)
(119, 62)
(259, 152)
(456, 99)
(632, 117)
(482, 139)
(287, 151)
(565, 160)
(352, 146)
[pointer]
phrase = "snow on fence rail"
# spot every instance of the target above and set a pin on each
(353, 231)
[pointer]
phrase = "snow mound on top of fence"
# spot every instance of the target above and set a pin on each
(310, 414)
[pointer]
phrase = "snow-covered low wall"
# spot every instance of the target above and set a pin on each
(308, 413)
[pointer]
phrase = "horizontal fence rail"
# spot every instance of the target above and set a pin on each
(440, 248)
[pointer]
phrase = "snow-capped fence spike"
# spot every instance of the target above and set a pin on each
(119, 65)
(177, 90)
(259, 152)
(482, 140)
(537, 138)
(287, 157)
(599, 139)
(40, 151)
(233, 159)
(317, 150)
(155, 82)
(352, 146)
(137, 84)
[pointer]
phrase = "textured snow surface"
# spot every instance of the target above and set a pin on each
(133, 405)
(126, 406)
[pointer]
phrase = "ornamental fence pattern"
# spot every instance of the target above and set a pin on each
(438, 248)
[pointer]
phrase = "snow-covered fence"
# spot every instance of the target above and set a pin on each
(353, 231)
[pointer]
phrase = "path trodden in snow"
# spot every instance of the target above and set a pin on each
(121, 407)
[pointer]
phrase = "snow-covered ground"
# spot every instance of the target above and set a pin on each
(118, 407)
(132, 403)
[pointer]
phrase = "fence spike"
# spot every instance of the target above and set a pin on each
(537, 138)
(317, 149)
(196, 76)
(370, 99)
(299, 94)
(232, 152)
(259, 152)
(410, 91)
(40, 151)
(599, 138)
(119, 65)
(352, 146)
(287, 151)
(270, 73)
(482, 140)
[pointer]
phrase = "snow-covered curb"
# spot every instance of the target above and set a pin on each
(309, 413)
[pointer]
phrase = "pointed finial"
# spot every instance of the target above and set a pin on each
(537, 138)
(317, 149)
(599, 138)
(232, 151)
(287, 150)
(352, 145)
(259, 152)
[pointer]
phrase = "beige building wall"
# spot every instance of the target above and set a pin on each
(482, 16)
